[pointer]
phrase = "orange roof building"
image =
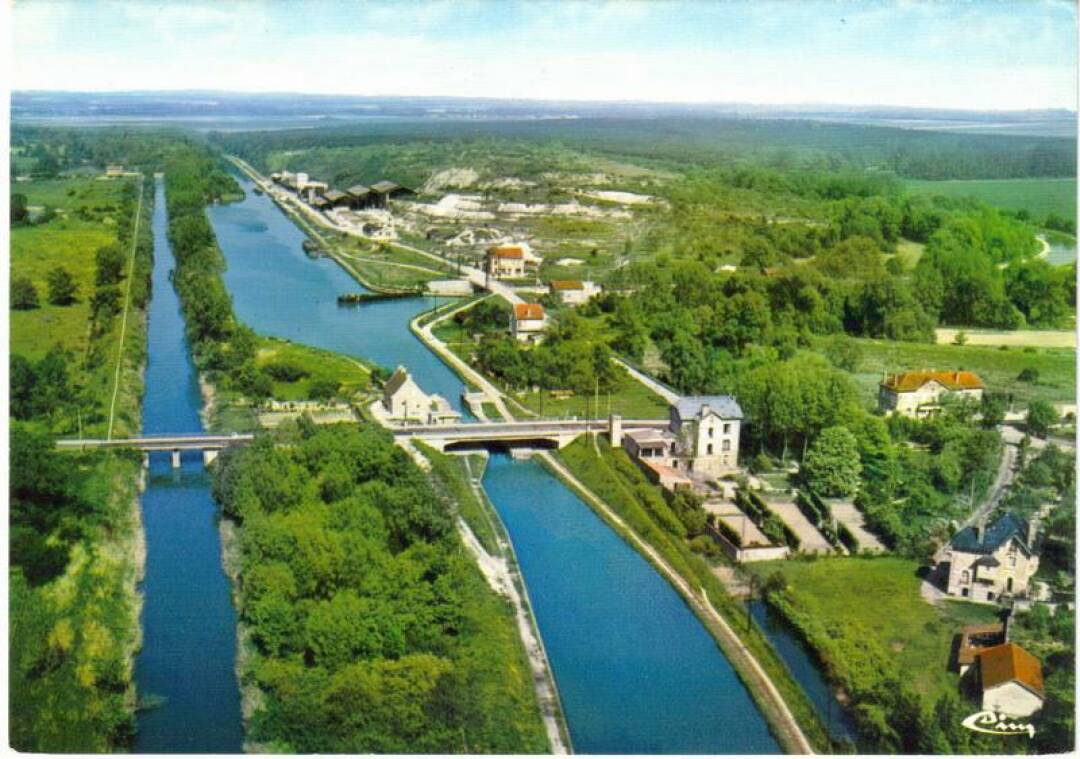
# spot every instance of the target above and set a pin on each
(909, 382)
(506, 251)
(528, 322)
(1011, 680)
(506, 261)
(920, 393)
(558, 285)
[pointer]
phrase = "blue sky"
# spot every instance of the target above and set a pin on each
(954, 54)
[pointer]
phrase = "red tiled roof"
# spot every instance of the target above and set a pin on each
(506, 251)
(566, 284)
(528, 311)
(909, 382)
(1007, 663)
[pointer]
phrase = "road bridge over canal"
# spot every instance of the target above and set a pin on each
(557, 432)
(209, 445)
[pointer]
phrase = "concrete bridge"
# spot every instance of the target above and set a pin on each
(208, 444)
(555, 433)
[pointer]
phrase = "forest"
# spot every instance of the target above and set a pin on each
(374, 629)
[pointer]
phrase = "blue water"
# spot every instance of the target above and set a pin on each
(806, 673)
(1061, 255)
(279, 291)
(636, 670)
(189, 626)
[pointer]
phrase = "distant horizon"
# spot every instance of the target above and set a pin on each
(806, 105)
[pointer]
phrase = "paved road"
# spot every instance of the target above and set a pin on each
(1006, 471)
(159, 442)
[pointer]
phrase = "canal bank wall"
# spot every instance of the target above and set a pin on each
(768, 698)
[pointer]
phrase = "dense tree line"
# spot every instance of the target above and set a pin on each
(786, 144)
(222, 345)
(375, 631)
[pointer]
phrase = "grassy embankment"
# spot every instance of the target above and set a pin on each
(615, 480)
(899, 624)
(1038, 197)
(998, 367)
(75, 522)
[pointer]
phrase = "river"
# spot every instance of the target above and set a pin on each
(636, 671)
(187, 660)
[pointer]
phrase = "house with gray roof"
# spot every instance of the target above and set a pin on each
(987, 563)
(702, 437)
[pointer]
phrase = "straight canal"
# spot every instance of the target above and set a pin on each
(186, 664)
(636, 671)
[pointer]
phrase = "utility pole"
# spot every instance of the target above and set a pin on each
(750, 598)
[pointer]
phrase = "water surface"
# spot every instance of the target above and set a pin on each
(189, 627)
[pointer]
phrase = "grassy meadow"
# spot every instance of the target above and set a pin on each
(1038, 197)
(321, 366)
(998, 367)
(898, 624)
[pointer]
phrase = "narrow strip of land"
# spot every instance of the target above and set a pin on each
(127, 307)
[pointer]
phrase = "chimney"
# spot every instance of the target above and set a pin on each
(980, 531)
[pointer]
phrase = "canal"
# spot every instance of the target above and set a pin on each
(636, 671)
(185, 667)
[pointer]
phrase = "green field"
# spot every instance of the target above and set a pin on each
(322, 366)
(897, 624)
(1038, 197)
(67, 241)
(89, 215)
(998, 367)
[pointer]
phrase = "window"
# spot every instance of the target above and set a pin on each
(727, 429)
(708, 450)
(1012, 560)
(726, 446)
(965, 577)
(710, 431)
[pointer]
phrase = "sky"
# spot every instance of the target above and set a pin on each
(989, 55)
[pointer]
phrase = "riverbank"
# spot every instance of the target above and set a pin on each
(786, 728)
(498, 562)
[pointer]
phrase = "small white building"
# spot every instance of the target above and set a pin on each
(1011, 681)
(920, 394)
(528, 322)
(573, 292)
(312, 190)
(404, 401)
(986, 563)
(505, 261)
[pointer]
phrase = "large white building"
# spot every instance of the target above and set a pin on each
(920, 393)
(702, 437)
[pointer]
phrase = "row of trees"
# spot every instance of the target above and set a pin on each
(375, 631)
